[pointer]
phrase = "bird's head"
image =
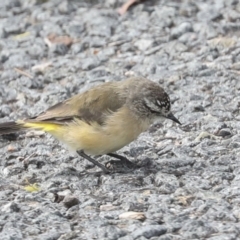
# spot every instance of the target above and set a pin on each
(153, 102)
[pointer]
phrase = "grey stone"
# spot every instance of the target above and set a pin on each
(70, 201)
(11, 231)
(90, 63)
(181, 29)
(97, 42)
(166, 183)
(65, 7)
(101, 30)
(50, 235)
(12, 29)
(143, 44)
(75, 30)
(127, 237)
(149, 231)
(111, 232)
(207, 12)
(223, 236)
(5, 110)
(197, 229)
(11, 95)
(60, 49)
(10, 207)
(170, 237)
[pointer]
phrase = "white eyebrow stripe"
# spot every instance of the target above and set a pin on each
(161, 103)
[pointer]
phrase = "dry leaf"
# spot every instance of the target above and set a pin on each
(21, 36)
(35, 133)
(185, 200)
(24, 73)
(11, 148)
(123, 9)
(132, 215)
(203, 135)
(41, 67)
(32, 188)
(54, 39)
(107, 207)
(95, 51)
(222, 42)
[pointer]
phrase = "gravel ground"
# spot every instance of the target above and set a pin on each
(190, 186)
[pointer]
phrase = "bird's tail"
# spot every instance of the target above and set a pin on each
(11, 127)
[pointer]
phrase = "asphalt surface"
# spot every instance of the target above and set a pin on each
(189, 184)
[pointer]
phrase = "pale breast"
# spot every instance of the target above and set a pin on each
(120, 129)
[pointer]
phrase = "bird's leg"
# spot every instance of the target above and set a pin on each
(84, 155)
(123, 160)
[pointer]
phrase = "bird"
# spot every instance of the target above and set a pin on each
(103, 119)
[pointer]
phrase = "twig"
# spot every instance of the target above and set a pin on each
(123, 9)
(23, 73)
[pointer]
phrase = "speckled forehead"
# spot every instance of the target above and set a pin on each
(164, 101)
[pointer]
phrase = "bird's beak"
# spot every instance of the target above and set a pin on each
(171, 116)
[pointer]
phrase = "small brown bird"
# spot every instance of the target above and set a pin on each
(103, 119)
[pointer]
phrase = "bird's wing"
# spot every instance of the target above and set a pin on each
(94, 105)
